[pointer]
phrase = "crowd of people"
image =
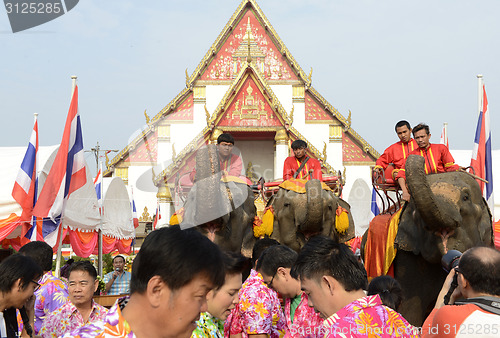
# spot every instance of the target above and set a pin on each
(183, 285)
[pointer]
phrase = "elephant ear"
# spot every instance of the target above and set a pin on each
(350, 233)
(408, 237)
(485, 225)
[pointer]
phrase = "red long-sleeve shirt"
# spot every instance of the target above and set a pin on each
(396, 154)
(291, 165)
(438, 159)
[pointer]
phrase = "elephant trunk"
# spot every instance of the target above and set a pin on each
(314, 209)
(435, 211)
(208, 197)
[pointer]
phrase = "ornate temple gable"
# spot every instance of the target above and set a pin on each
(183, 112)
(346, 123)
(248, 37)
(249, 107)
(144, 152)
(353, 153)
(314, 112)
(248, 30)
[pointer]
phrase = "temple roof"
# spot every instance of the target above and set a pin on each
(247, 36)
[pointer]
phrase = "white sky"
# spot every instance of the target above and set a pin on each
(384, 60)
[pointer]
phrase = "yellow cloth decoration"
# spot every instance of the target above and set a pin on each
(177, 217)
(265, 226)
(299, 185)
(341, 220)
(235, 179)
(390, 250)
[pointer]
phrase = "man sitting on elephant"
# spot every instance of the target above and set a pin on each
(397, 153)
(300, 165)
(438, 158)
(230, 164)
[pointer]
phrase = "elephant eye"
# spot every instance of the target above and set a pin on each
(465, 198)
(287, 204)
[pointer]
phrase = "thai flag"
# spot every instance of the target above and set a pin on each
(68, 171)
(134, 212)
(26, 185)
(375, 208)
(157, 216)
(98, 188)
(481, 159)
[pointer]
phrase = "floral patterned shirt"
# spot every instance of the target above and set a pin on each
(52, 294)
(367, 317)
(208, 327)
(114, 325)
(257, 312)
(306, 322)
(67, 318)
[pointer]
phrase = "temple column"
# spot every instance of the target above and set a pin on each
(334, 147)
(166, 205)
(281, 152)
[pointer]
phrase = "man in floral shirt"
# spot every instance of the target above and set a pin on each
(302, 321)
(53, 292)
(334, 281)
(171, 277)
(81, 309)
(258, 312)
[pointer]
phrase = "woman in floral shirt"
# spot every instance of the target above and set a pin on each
(221, 301)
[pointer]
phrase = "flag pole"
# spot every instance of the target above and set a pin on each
(61, 225)
(99, 233)
(479, 93)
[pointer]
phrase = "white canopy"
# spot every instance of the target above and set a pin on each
(117, 219)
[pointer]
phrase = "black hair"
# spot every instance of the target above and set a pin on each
(70, 261)
(322, 256)
(40, 252)
(259, 247)
(234, 262)
(421, 126)
(402, 123)
(18, 267)
(225, 137)
(297, 144)
(176, 256)
(120, 256)
(480, 266)
(84, 266)
(388, 289)
(275, 257)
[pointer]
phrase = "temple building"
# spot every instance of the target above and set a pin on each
(247, 84)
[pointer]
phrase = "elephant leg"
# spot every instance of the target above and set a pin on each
(420, 282)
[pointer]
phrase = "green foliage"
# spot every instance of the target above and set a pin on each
(107, 263)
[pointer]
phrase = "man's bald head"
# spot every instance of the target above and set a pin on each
(480, 266)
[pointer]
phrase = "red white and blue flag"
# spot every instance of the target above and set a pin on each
(481, 155)
(98, 188)
(134, 212)
(26, 186)
(68, 170)
(157, 216)
(444, 136)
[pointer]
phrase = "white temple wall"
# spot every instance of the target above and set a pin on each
(284, 95)
(214, 95)
(261, 154)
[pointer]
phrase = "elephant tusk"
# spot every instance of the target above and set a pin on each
(444, 234)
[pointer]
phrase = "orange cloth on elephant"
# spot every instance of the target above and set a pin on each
(232, 166)
(299, 185)
(291, 165)
(438, 159)
(379, 247)
(396, 154)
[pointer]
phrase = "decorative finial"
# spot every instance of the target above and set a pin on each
(174, 154)
(107, 158)
(147, 117)
(291, 114)
(187, 78)
(349, 119)
(324, 152)
(309, 78)
(207, 114)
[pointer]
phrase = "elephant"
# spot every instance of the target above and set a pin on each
(223, 210)
(299, 216)
(446, 211)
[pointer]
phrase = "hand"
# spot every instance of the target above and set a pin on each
(445, 289)
(406, 196)
(115, 274)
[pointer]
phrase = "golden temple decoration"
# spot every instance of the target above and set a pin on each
(145, 217)
(343, 176)
(309, 78)
(250, 173)
(163, 194)
(163, 132)
(147, 117)
(174, 155)
(215, 135)
(335, 133)
(252, 108)
(107, 158)
(291, 115)
(207, 115)
(324, 152)
(122, 173)
(348, 122)
(187, 78)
